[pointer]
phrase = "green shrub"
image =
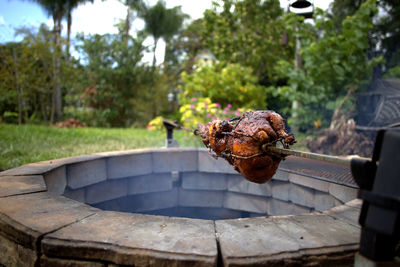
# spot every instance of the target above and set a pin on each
(393, 73)
(10, 117)
(230, 84)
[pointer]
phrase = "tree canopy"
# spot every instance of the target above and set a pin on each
(252, 43)
(248, 32)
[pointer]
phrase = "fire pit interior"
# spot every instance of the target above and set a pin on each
(93, 203)
(192, 184)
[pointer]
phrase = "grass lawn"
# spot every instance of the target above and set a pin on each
(32, 143)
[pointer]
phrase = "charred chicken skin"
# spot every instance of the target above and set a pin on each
(240, 141)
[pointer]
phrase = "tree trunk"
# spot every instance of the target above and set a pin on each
(17, 85)
(154, 52)
(69, 25)
(43, 106)
(56, 112)
(167, 52)
(297, 67)
(53, 94)
(127, 25)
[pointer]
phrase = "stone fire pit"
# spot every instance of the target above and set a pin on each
(176, 206)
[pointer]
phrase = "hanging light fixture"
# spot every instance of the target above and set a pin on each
(301, 4)
(302, 8)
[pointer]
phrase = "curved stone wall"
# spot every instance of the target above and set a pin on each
(50, 213)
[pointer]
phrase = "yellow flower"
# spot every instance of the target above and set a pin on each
(317, 124)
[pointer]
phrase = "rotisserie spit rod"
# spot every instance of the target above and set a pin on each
(178, 126)
(309, 155)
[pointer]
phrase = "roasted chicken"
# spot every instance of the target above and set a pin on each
(240, 141)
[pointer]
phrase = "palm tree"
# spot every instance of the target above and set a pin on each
(162, 23)
(57, 10)
(137, 5)
(154, 18)
(70, 6)
(173, 25)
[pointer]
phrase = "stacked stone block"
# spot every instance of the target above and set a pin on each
(167, 179)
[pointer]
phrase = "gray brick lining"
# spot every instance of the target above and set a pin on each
(45, 228)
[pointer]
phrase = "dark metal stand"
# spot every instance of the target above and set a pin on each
(379, 182)
(169, 127)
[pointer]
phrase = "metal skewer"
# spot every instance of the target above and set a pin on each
(309, 155)
(178, 126)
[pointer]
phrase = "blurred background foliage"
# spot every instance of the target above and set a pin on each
(225, 84)
(250, 65)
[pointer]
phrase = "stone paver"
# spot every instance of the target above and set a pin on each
(86, 173)
(128, 152)
(346, 213)
(129, 165)
(301, 235)
(30, 169)
(209, 164)
(154, 201)
(279, 207)
(107, 190)
(236, 183)
(281, 175)
(301, 195)
(134, 239)
(51, 262)
(24, 218)
(309, 182)
(192, 198)
(330, 231)
(320, 247)
(142, 202)
(175, 159)
(56, 180)
(343, 193)
(204, 181)
(285, 240)
(13, 254)
(298, 209)
(251, 240)
(323, 201)
(355, 203)
(16, 185)
(209, 213)
(46, 166)
(246, 202)
(280, 190)
(78, 194)
(150, 183)
(338, 202)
